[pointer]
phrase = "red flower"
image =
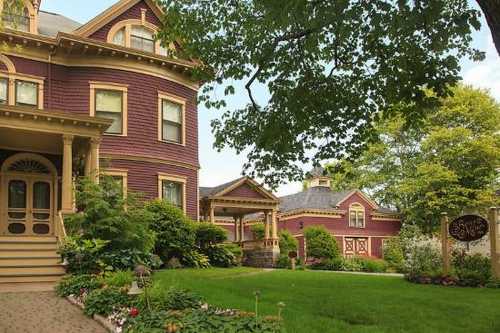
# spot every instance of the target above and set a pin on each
(134, 312)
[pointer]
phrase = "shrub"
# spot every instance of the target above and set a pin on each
(127, 259)
(471, 270)
(336, 264)
(320, 243)
(174, 231)
(372, 265)
(76, 284)
(176, 299)
(352, 264)
(83, 255)
(103, 216)
(393, 254)
(258, 231)
(237, 252)
(423, 260)
(195, 259)
(117, 279)
(220, 256)
(209, 234)
(287, 242)
(105, 301)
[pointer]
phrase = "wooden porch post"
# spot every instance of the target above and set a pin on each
(94, 159)
(267, 226)
(242, 230)
(275, 224)
(67, 174)
(493, 220)
(236, 230)
(212, 214)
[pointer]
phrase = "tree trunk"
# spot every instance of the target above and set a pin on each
(491, 10)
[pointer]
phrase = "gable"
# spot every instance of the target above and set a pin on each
(357, 197)
(99, 27)
(245, 191)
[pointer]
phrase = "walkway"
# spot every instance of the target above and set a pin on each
(42, 312)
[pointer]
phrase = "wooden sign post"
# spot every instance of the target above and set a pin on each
(494, 250)
(445, 244)
(293, 258)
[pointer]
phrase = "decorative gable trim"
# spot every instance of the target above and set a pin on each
(362, 195)
(252, 183)
(113, 12)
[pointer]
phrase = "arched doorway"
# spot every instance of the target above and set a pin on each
(29, 192)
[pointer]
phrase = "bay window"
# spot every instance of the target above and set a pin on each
(171, 121)
(109, 104)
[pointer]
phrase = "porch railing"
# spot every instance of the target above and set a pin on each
(59, 229)
(259, 244)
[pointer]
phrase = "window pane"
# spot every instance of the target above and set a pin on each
(172, 112)
(171, 132)
(41, 195)
(142, 39)
(164, 51)
(16, 19)
(26, 93)
(4, 88)
(117, 125)
(108, 100)
(119, 37)
(17, 194)
(361, 219)
(140, 31)
(352, 219)
(172, 192)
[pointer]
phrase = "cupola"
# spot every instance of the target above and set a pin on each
(318, 177)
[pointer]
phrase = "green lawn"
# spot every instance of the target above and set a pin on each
(330, 302)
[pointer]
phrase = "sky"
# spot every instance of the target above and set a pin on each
(221, 167)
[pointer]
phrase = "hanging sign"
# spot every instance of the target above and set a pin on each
(468, 228)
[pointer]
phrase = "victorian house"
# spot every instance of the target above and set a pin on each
(100, 98)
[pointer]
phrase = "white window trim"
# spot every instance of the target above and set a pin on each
(173, 178)
(175, 99)
(357, 207)
(118, 173)
(114, 87)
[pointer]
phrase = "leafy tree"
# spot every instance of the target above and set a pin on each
(449, 164)
(330, 67)
(208, 234)
(287, 242)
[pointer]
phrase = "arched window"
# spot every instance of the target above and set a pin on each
(356, 216)
(19, 16)
(139, 35)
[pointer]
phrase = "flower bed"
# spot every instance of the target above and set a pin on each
(119, 307)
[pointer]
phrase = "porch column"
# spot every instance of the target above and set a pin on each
(266, 225)
(275, 224)
(67, 174)
(212, 214)
(94, 159)
(495, 264)
(242, 230)
(236, 230)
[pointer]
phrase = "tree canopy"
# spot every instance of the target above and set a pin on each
(447, 165)
(331, 68)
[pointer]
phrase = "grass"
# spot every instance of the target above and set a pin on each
(330, 302)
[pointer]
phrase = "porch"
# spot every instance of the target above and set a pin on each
(241, 200)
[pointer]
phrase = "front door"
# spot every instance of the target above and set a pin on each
(356, 246)
(29, 205)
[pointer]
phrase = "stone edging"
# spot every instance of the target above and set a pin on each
(100, 319)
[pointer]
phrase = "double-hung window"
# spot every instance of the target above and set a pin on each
(4, 91)
(173, 192)
(356, 216)
(142, 38)
(26, 93)
(109, 104)
(172, 119)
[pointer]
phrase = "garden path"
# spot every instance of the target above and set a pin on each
(42, 312)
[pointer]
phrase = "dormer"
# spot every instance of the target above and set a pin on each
(318, 178)
(22, 16)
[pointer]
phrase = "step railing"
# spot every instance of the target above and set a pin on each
(60, 230)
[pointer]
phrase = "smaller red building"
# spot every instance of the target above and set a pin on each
(359, 225)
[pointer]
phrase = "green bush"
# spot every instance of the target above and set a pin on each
(336, 264)
(105, 301)
(83, 255)
(372, 265)
(237, 252)
(194, 258)
(105, 215)
(117, 279)
(77, 284)
(209, 234)
(175, 233)
(176, 299)
(127, 259)
(220, 256)
(258, 231)
(423, 260)
(288, 243)
(471, 270)
(393, 254)
(320, 243)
